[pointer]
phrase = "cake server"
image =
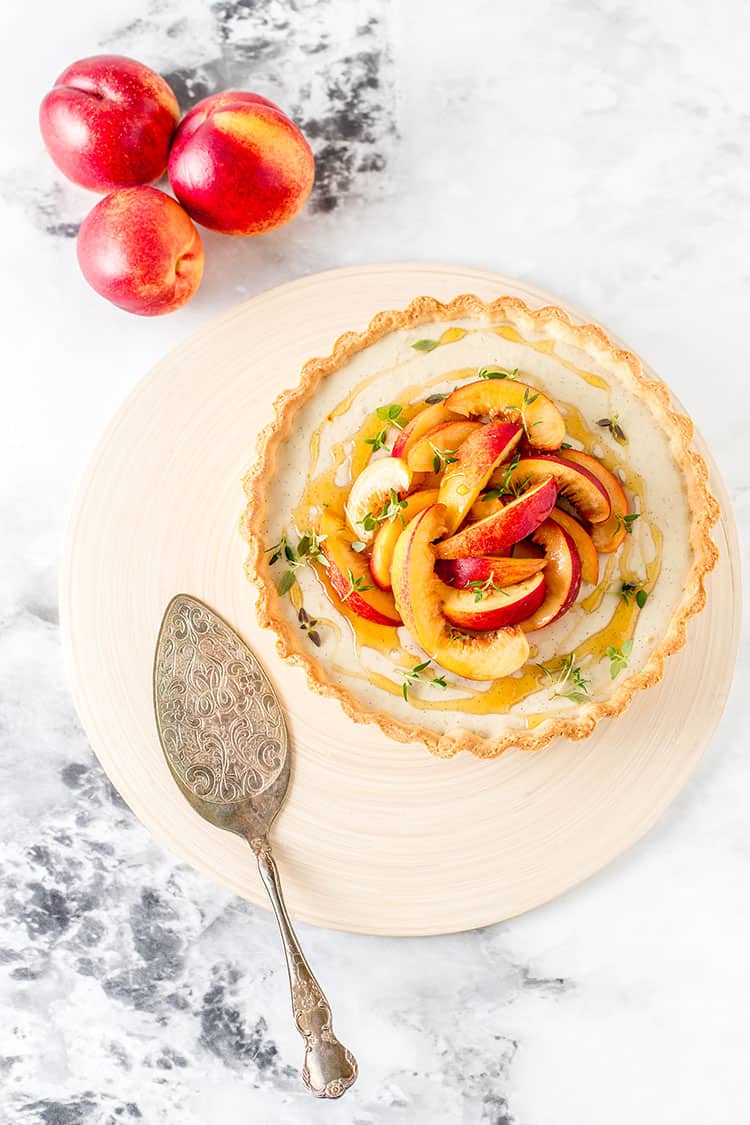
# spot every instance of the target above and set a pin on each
(223, 734)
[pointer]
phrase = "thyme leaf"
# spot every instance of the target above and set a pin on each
(568, 682)
(414, 674)
(486, 373)
(618, 657)
(612, 424)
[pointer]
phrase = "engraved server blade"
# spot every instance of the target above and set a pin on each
(223, 734)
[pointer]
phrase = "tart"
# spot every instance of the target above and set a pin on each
(478, 525)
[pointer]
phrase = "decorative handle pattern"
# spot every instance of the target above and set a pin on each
(329, 1068)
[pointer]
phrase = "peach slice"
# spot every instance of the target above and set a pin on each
(607, 536)
(476, 458)
(562, 575)
(584, 491)
(425, 456)
(416, 589)
(427, 419)
(584, 544)
(387, 535)
(503, 572)
(347, 570)
(516, 401)
(371, 490)
(505, 527)
(497, 608)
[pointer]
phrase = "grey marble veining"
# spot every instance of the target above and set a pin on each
(598, 149)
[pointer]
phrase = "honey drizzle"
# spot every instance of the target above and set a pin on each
(502, 695)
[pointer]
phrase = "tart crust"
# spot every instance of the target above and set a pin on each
(556, 324)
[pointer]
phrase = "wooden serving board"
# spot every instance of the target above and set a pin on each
(375, 837)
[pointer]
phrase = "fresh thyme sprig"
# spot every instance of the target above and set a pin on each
(484, 589)
(392, 508)
(308, 549)
(441, 458)
(389, 414)
(486, 373)
(379, 441)
(630, 590)
(357, 585)
(507, 487)
(627, 522)
(618, 657)
(527, 400)
(612, 424)
(307, 625)
(415, 674)
(570, 683)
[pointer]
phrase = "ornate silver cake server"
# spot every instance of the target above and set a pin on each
(223, 734)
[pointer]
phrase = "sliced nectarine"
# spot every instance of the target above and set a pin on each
(416, 589)
(508, 398)
(431, 452)
(387, 535)
(478, 455)
(584, 491)
(427, 419)
(508, 525)
(562, 575)
(481, 568)
(584, 544)
(497, 607)
(607, 536)
(484, 506)
(371, 490)
(349, 575)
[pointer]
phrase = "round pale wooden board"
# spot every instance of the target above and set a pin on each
(375, 836)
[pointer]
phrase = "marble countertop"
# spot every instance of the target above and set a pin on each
(597, 149)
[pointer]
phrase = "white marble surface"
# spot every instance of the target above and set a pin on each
(596, 148)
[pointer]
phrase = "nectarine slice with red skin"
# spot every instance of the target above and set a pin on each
(584, 544)
(497, 608)
(505, 527)
(372, 604)
(514, 401)
(562, 575)
(476, 458)
(607, 536)
(387, 535)
(427, 419)
(445, 438)
(372, 489)
(584, 491)
(481, 568)
(416, 590)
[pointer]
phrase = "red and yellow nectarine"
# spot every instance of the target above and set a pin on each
(562, 575)
(607, 536)
(476, 457)
(140, 250)
(108, 122)
(515, 401)
(504, 527)
(239, 165)
(416, 589)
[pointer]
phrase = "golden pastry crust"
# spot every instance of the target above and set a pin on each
(554, 324)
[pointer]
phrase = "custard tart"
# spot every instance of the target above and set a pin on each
(478, 525)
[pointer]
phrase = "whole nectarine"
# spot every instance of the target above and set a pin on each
(238, 165)
(108, 122)
(140, 250)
